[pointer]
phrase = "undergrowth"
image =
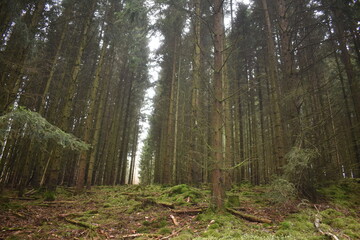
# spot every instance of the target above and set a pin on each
(113, 212)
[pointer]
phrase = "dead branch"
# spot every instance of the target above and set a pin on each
(248, 217)
(140, 235)
(70, 215)
(11, 229)
(81, 224)
(59, 202)
(174, 220)
(31, 192)
(19, 215)
(24, 198)
(194, 210)
(317, 223)
(78, 223)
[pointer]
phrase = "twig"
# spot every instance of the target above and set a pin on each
(19, 215)
(31, 192)
(174, 220)
(140, 235)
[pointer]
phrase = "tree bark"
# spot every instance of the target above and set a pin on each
(216, 121)
(279, 148)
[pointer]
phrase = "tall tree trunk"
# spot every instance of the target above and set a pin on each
(89, 123)
(65, 121)
(133, 154)
(11, 77)
(279, 144)
(168, 162)
(194, 148)
(345, 56)
(216, 121)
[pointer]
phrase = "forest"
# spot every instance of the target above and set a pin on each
(244, 120)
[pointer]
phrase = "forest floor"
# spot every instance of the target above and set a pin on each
(182, 212)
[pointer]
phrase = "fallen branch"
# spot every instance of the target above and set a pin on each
(81, 224)
(317, 223)
(19, 215)
(194, 210)
(31, 192)
(11, 229)
(248, 217)
(174, 220)
(172, 234)
(317, 226)
(78, 223)
(140, 235)
(65, 215)
(24, 198)
(60, 202)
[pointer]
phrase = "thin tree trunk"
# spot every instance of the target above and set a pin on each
(216, 121)
(65, 121)
(275, 93)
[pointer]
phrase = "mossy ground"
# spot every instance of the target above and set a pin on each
(143, 212)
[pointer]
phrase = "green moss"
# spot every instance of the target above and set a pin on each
(6, 204)
(164, 231)
(233, 200)
(330, 213)
(221, 219)
(146, 223)
(298, 226)
(143, 229)
(211, 233)
(352, 234)
(49, 196)
(107, 205)
(214, 226)
(345, 193)
(341, 222)
(285, 225)
(180, 194)
(159, 224)
(184, 235)
(178, 189)
(14, 238)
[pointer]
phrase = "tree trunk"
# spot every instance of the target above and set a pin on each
(274, 93)
(216, 121)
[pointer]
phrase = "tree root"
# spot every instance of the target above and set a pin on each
(248, 217)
